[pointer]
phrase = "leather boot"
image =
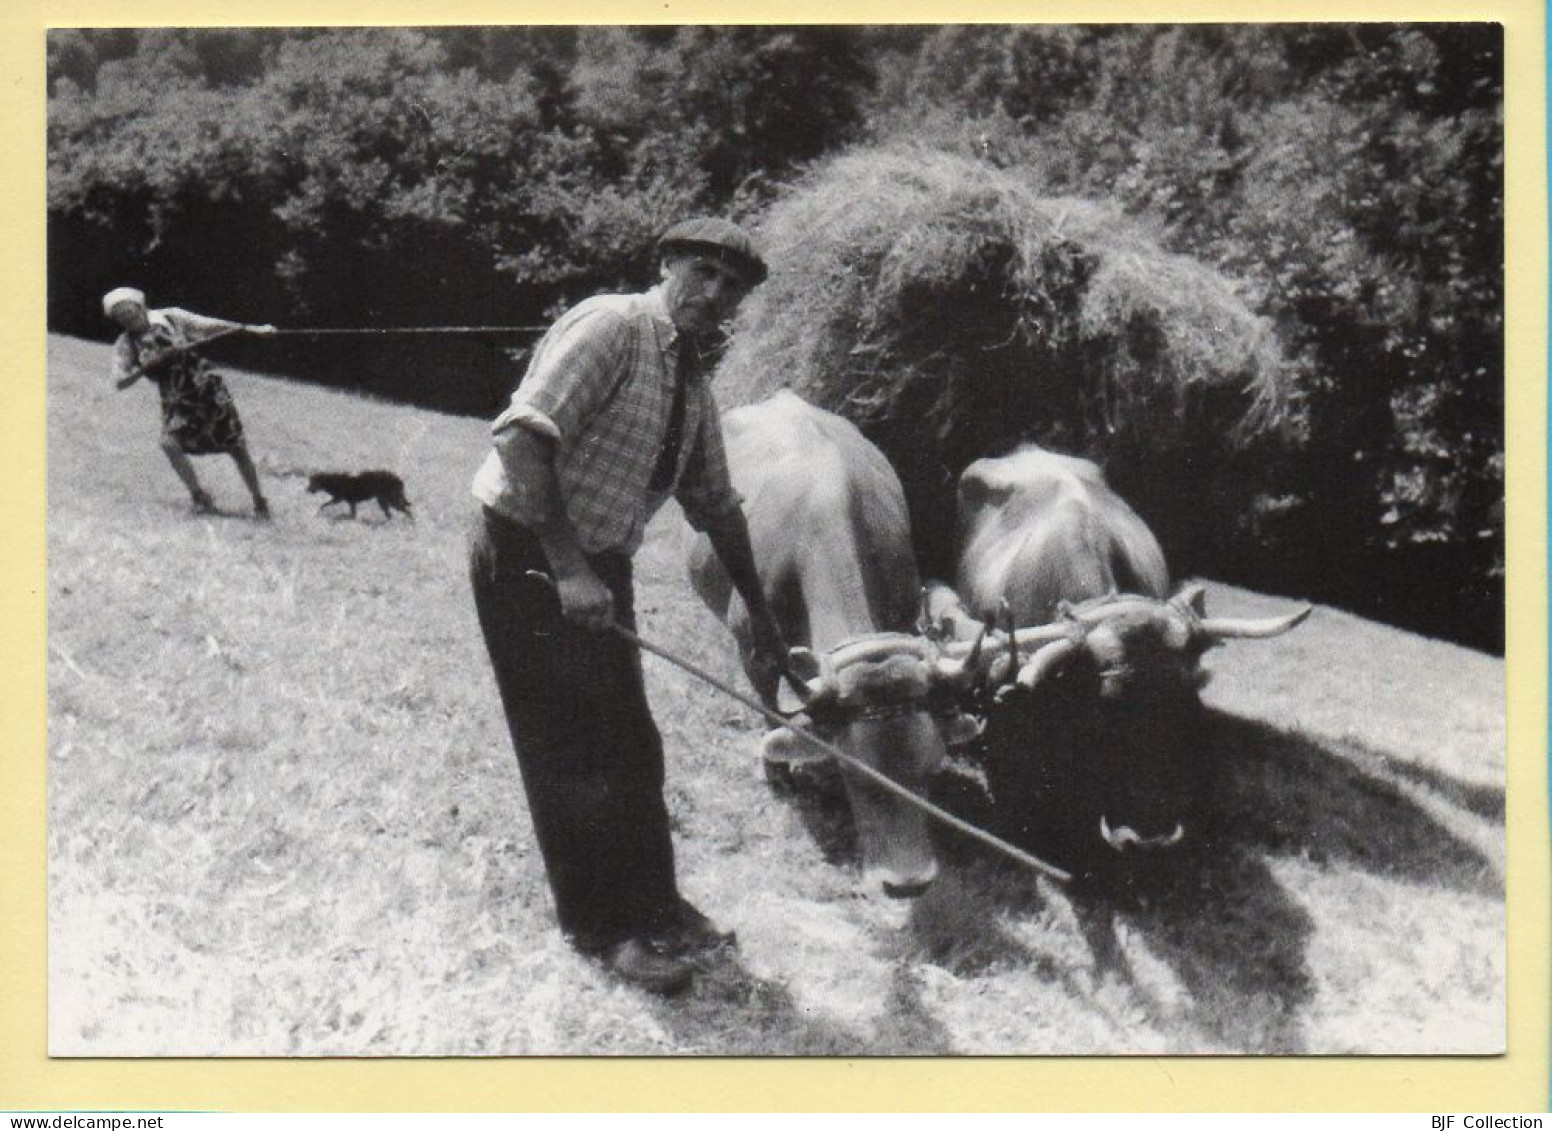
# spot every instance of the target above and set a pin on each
(639, 963)
(691, 932)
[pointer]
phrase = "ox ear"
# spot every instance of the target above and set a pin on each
(972, 490)
(978, 488)
(1191, 600)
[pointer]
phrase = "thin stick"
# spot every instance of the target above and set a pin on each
(882, 781)
(70, 662)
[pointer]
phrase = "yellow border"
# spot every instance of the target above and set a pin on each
(1516, 1082)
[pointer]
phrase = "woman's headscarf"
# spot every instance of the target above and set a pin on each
(122, 294)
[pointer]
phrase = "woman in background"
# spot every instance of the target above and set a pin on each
(198, 414)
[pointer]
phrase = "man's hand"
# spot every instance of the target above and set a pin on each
(770, 651)
(156, 358)
(585, 599)
(730, 540)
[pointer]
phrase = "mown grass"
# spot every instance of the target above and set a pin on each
(284, 817)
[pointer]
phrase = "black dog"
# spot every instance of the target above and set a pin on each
(343, 487)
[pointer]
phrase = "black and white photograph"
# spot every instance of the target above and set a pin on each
(711, 540)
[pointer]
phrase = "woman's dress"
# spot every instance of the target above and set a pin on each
(197, 410)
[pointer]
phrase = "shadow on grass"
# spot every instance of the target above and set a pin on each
(1291, 795)
(373, 518)
(817, 795)
(1215, 914)
(751, 1016)
(732, 1012)
(1484, 801)
(1229, 933)
(219, 511)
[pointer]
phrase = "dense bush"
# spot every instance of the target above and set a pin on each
(1343, 181)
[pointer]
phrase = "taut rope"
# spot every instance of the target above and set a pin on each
(320, 331)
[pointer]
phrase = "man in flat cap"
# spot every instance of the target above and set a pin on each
(614, 416)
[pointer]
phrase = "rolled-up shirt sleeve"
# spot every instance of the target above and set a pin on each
(573, 371)
(198, 327)
(705, 491)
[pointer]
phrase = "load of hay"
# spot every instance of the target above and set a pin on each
(952, 312)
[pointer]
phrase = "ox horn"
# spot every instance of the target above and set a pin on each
(960, 671)
(1112, 604)
(1006, 665)
(1228, 628)
(1045, 661)
(809, 677)
(1007, 640)
(1002, 640)
(1191, 601)
(1032, 636)
(878, 647)
(819, 673)
(924, 623)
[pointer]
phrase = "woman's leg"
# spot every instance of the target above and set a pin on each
(185, 469)
(250, 476)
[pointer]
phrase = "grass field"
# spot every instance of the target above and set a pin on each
(284, 817)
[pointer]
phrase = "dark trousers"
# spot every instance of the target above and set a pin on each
(590, 755)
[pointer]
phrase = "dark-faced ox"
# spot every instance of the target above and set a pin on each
(828, 524)
(1094, 728)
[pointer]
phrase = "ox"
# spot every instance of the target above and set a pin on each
(828, 523)
(1094, 733)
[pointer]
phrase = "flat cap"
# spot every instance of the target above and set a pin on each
(717, 239)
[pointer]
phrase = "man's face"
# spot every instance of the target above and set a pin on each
(130, 315)
(701, 293)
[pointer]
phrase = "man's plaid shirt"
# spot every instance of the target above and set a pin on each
(600, 385)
